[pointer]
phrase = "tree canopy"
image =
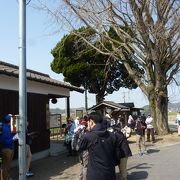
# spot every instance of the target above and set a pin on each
(154, 43)
(82, 65)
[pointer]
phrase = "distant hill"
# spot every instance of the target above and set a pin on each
(54, 118)
(174, 107)
(63, 111)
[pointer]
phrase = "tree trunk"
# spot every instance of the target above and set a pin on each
(159, 111)
(99, 98)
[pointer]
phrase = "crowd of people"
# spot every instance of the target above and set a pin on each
(96, 138)
(142, 126)
(100, 145)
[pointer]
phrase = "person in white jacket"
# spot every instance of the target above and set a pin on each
(150, 128)
(178, 122)
(76, 121)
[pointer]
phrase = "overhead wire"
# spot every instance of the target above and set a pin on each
(26, 3)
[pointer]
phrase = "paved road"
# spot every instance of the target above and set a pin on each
(159, 164)
(173, 126)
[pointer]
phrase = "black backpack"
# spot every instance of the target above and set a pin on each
(77, 138)
(117, 152)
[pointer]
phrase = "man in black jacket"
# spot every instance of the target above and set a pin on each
(101, 146)
(124, 150)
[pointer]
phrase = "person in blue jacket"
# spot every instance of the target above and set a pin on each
(7, 146)
(70, 131)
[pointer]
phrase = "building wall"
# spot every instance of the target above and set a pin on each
(36, 115)
(11, 83)
(9, 102)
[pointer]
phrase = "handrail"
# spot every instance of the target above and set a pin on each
(57, 132)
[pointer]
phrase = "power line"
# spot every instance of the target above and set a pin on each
(124, 96)
(26, 3)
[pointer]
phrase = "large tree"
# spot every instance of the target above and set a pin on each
(82, 65)
(154, 43)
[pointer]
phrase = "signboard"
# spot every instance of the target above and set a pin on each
(79, 113)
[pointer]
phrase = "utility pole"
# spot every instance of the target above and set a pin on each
(22, 89)
(86, 100)
(124, 96)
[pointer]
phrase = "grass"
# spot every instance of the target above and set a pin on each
(172, 113)
(172, 116)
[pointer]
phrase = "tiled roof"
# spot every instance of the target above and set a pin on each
(130, 104)
(13, 70)
(116, 104)
(110, 104)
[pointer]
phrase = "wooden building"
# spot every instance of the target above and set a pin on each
(41, 89)
(117, 110)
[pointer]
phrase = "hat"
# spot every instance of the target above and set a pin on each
(83, 121)
(8, 118)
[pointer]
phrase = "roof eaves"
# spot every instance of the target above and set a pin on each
(110, 105)
(13, 70)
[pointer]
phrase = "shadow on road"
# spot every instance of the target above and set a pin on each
(50, 167)
(141, 166)
(150, 151)
(140, 175)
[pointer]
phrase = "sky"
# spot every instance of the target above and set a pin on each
(40, 39)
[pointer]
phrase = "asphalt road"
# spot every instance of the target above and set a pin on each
(162, 163)
(159, 164)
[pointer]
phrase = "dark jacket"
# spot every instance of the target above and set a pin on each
(28, 137)
(101, 147)
(123, 144)
(140, 127)
(121, 141)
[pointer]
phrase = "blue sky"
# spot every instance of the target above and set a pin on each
(40, 41)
